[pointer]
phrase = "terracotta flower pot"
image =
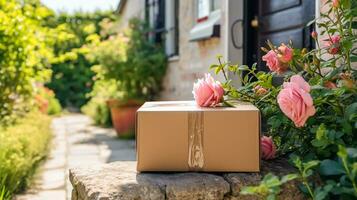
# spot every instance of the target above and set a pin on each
(123, 116)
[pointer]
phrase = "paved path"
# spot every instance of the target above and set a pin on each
(76, 143)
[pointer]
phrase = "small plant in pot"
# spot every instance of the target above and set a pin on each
(136, 66)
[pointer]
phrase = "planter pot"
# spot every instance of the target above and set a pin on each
(123, 117)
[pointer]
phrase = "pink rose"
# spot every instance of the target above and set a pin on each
(273, 62)
(295, 100)
(285, 53)
(333, 44)
(268, 148)
(259, 90)
(207, 92)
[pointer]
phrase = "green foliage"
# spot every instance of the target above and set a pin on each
(269, 187)
(25, 52)
(22, 147)
(46, 101)
(97, 107)
(322, 142)
(135, 64)
(72, 78)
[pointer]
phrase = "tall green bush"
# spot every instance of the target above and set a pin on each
(22, 147)
(72, 77)
(25, 52)
(132, 61)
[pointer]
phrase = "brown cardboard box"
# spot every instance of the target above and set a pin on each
(180, 136)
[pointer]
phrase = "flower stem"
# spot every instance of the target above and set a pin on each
(223, 71)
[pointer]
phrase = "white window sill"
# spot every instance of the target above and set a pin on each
(173, 58)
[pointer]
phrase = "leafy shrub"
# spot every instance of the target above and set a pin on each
(72, 76)
(22, 147)
(136, 64)
(25, 52)
(96, 107)
(312, 117)
(46, 101)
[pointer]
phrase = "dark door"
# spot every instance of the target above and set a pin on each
(279, 21)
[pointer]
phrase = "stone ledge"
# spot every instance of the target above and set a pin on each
(119, 180)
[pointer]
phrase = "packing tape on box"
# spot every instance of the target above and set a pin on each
(195, 140)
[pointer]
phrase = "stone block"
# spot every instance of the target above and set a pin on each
(119, 180)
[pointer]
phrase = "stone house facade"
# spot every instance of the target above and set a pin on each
(194, 32)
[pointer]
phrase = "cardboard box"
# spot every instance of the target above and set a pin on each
(180, 136)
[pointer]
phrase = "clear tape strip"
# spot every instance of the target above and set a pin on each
(195, 141)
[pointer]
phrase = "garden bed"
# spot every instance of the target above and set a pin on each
(22, 147)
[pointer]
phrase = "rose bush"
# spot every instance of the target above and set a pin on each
(312, 117)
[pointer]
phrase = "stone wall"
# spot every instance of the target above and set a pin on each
(195, 57)
(119, 180)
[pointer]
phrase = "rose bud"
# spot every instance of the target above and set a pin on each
(271, 58)
(314, 34)
(346, 80)
(335, 3)
(333, 44)
(330, 85)
(268, 148)
(286, 53)
(208, 92)
(260, 91)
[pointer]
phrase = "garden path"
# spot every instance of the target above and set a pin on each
(76, 143)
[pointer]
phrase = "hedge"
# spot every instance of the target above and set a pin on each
(22, 147)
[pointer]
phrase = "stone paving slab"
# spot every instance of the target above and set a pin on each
(76, 143)
(119, 180)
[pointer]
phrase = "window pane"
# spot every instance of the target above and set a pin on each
(215, 4)
(203, 8)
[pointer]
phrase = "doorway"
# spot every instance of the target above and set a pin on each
(279, 21)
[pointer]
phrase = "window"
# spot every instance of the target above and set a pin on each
(208, 20)
(205, 8)
(155, 16)
(172, 31)
(162, 16)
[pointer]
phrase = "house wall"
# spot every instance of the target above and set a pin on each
(195, 57)
(132, 8)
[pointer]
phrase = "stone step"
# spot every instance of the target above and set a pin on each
(119, 180)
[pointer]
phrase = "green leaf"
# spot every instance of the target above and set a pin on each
(353, 58)
(213, 66)
(319, 143)
(319, 194)
(351, 111)
(271, 197)
(352, 152)
(321, 132)
(311, 164)
(243, 68)
(288, 177)
(331, 167)
(342, 152)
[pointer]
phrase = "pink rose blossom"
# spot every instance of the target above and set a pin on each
(207, 92)
(286, 53)
(268, 148)
(273, 62)
(295, 100)
(333, 44)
